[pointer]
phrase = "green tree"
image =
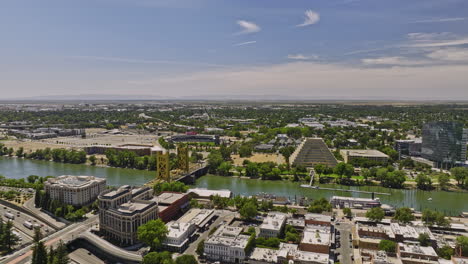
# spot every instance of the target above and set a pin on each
(92, 159)
(387, 246)
(431, 218)
(61, 254)
(287, 152)
(444, 180)
(424, 239)
(201, 247)
(445, 252)
(347, 212)
(186, 259)
(153, 233)
(404, 215)
(375, 214)
(319, 206)
(245, 150)
(8, 239)
(248, 210)
(462, 246)
(158, 258)
(460, 174)
(423, 182)
(39, 255)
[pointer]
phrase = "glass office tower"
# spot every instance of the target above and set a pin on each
(444, 143)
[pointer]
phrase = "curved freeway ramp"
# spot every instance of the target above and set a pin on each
(110, 249)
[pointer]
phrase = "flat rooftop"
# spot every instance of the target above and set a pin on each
(168, 197)
(317, 235)
(71, 181)
(131, 207)
(364, 153)
(416, 249)
(274, 221)
(318, 217)
(203, 192)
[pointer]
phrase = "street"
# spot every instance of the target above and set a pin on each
(345, 250)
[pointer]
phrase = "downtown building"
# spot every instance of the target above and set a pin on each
(444, 143)
(122, 211)
(74, 190)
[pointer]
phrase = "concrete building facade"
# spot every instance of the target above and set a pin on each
(75, 190)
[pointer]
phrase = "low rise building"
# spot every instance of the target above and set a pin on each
(317, 219)
(287, 253)
(369, 154)
(273, 224)
(172, 204)
(74, 190)
(316, 239)
(178, 236)
(122, 211)
(226, 245)
(415, 254)
(205, 193)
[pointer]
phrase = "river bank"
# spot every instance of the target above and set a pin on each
(21, 168)
(416, 199)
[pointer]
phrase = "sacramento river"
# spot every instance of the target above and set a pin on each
(452, 203)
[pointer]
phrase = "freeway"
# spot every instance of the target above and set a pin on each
(66, 234)
(20, 218)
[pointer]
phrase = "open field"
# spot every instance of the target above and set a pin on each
(259, 157)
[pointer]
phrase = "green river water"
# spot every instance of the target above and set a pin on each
(452, 203)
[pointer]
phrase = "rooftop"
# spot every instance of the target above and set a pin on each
(318, 235)
(203, 192)
(177, 229)
(168, 197)
(416, 249)
(318, 217)
(364, 153)
(70, 181)
(274, 221)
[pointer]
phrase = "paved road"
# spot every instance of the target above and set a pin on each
(82, 255)
(223, 215)
(345, 249)
(66, 234)
(21, 218)
(29, 204)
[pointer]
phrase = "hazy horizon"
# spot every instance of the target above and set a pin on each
(310, 50)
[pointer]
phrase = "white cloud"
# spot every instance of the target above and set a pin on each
(311, 18)
(392, 61)
(449, 54)
(428, 40)
(301, 57)
(440, 20)
(247, 27)
(245, 43)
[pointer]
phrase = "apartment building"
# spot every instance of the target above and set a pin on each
(75, 190)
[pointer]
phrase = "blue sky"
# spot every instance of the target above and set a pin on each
(311, 49)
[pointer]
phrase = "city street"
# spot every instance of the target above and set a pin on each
(68, 233)
(223, 215)
(345, 250)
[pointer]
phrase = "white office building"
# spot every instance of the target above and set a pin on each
(272, 224)
(74, 190)
(226, 245)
